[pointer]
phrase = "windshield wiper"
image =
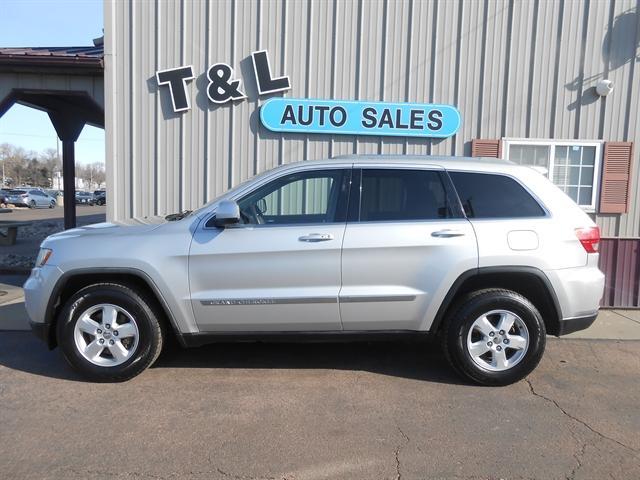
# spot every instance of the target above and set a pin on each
(177, 216)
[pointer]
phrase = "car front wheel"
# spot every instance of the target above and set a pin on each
(494, 337)
(109, 332)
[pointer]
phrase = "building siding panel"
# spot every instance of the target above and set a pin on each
(620, 262)
(514, 69)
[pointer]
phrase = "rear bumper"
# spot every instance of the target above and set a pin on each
(570, 325)
(578, 290)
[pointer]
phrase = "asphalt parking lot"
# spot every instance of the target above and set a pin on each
(32, 214)
(347, 411)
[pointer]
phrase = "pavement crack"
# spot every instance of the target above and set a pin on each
(406, 440)
(576, 419)
(578, 456)
(624, 316)
(242, 477)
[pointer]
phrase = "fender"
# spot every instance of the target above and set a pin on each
(66, 276)
(482, 271)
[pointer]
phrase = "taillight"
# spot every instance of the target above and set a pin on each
(589, 238)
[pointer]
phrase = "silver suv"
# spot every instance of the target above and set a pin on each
(487, 255)
(30, 197)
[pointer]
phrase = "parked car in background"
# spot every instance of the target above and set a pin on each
(85, 198)
(30, 197)
(53, 193)
(486, 256)
(100, 197)
(4, 193)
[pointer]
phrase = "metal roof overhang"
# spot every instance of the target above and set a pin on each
(78, 104)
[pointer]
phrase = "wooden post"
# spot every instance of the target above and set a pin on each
(68, 128)
(69, 185)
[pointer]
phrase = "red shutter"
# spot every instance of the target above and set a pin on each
(486, 148)
(616, 177)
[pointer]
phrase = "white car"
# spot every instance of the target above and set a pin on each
(30, 197)
(486, 254)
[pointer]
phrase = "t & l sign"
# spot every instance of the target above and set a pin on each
(223, 86)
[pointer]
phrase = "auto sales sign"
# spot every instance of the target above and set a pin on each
(298, 115)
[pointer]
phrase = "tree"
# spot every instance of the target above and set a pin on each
(15, 164)
(92, 174)
(39, 170)
(51, 163)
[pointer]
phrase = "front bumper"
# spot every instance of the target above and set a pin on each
(43, 332)
(38, 290)
(570, 325)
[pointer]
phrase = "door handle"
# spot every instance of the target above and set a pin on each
(447, 233)
(316, 237)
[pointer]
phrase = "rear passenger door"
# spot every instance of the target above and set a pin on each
(37, 197)
(511, 224)
(405, 243)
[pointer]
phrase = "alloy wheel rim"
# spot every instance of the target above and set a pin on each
(498, 340)
(106, 335)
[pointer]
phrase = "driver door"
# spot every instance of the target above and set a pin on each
(279, 270)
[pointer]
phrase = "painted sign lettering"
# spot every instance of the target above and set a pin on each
(223, 86)
(359, 117)
(176, 79)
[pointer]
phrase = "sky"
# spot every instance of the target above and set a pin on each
(49, 23)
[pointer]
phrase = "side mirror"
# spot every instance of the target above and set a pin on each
(227, 213)
(261, 206)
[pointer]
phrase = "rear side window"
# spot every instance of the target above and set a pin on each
(389, 195)
(494, 196)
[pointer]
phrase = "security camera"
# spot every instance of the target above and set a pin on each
(604, 87)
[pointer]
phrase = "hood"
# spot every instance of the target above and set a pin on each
(132, 226)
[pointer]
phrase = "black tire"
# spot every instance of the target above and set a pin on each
(140, 307)
(32, 204)
(473, 306)
(52, 204)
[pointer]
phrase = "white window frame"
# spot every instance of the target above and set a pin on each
(552, 144)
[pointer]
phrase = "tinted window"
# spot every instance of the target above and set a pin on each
(299, 198)
(494, 196)
(402, 195)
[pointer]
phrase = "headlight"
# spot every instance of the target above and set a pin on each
(43, 257)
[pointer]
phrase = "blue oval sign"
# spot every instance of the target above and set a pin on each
(359, 118)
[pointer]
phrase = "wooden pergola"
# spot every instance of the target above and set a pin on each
(67, 84)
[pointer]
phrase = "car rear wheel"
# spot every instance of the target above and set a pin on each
(109, 332)
(494, 337)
